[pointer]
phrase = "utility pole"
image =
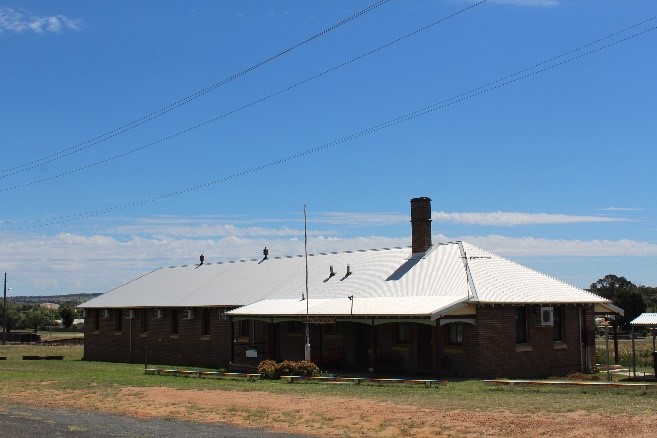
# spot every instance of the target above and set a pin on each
(4, 314)
(307, 354)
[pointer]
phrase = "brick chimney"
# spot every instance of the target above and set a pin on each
(421, 224)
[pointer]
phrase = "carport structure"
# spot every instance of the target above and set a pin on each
(645, 320)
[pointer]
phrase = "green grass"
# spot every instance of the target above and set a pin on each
(73, 374)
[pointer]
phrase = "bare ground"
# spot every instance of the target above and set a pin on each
(335, 416)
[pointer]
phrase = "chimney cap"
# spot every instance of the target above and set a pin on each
(421, 198)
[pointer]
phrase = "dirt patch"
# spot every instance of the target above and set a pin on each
(336, 416)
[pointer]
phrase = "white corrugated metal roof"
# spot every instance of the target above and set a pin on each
(379, 306)
(645, 319)
(424, 283)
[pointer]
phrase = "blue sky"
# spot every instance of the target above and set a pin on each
(551, 167)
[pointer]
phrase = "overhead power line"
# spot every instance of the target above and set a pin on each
(243, 107)
(486, 88)
(164, 110)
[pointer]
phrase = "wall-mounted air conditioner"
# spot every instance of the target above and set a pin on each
(85, 314)
(546, 316)
(188, 314)
(222, 314)
(159, 313)
(106, 313)
(130, 314)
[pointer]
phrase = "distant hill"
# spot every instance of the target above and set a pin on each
(72, 299)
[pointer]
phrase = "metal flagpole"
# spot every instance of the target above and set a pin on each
(305, 244)
(4, 314)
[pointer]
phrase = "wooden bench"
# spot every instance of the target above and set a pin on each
(152, 371)
(386, 381)
(427, 382)
(354, 380)
(247, 376)
(644, 387)
(292, 379)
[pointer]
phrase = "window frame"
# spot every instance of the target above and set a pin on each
(455, 333)
(404, 333)
(559, 327)
(175, 324)
(118, 320)
(206, 321)
(522, 325)
(144, 320)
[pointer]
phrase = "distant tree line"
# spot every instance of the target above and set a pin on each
(36, 317)
(633, 299)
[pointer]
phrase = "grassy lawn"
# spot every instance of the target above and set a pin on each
(73, 374)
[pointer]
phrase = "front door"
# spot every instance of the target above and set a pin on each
(424, 347)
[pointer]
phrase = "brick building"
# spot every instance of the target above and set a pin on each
(449, 309)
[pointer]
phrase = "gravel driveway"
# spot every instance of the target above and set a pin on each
(20, 421)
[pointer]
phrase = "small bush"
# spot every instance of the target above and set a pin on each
(269, 369)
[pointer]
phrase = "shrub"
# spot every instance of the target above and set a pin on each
(269, 369)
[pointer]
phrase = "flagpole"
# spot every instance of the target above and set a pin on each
(305, 245)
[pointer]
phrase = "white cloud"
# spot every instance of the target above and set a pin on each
(507, 219)
(12, 20)
(539, 3)
(532, 246)
(622, 209)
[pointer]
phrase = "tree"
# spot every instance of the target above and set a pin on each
(633, 305)
(37, 318)
(609, 286)
(13, 316)
(622, 293)
(649, 296)
(67, 313)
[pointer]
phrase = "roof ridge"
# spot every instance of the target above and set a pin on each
(286, 256)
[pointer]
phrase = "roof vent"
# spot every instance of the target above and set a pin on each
(265, 253)
(348, 271)
(331, 271)
(201, 259)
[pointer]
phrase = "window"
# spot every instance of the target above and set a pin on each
(96, 319)
(174, 321)
(119, 320)
(244, 328)
(558, 333)
(522, 330)
(205, 321)
(455, 334)
(295, 327)
(144, 321)
(403, 333)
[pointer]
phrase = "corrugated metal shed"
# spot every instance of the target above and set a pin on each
(382, 282)
(645, 319)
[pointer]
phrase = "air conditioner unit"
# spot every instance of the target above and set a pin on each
(546, 316)
(130, 314)
(85, 314)
(106, 313)
(222, 314)
(188, 314)
(159, 313)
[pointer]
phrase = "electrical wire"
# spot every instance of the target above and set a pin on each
(164, 110)
(243, 107)
(491, 86)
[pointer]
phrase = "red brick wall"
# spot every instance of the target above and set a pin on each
(188, 348)
(490, 350)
